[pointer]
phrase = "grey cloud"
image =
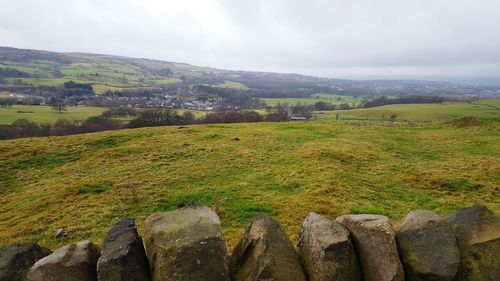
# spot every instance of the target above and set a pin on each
(328, 38)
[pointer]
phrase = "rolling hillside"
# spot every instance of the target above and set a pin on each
(85, 182)
(108, 72)
(441, 112)
(328, 98)
(45, 114)
(24, 67)
(102, 72)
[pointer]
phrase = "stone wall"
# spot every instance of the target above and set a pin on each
(187, 244)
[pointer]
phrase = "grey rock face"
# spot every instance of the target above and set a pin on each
(427, 247)
(75, 262)
(326, 251)
(186, 244)
(265, 253)
(375, 243)
(478, 234)
(123, 257)
(17, 259)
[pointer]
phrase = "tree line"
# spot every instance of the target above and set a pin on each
(144, 118)
(23, 128)
(14, 73)
(383, 100)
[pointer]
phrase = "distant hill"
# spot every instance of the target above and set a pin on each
(108, 72)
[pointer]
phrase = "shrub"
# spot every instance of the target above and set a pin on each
(99, 123)
(155, 117)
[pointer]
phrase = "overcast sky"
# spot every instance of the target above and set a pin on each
(336, 38)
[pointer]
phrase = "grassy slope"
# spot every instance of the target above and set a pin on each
(82, 182)
(234, 85)
(102, 75)
(334, 99)
(427, 112)
(45, 114)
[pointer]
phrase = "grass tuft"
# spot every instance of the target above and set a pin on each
(95, 188)
(460, 185)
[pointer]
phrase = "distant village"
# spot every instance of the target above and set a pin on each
(170, 98)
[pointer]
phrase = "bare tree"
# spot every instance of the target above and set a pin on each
(57, 104)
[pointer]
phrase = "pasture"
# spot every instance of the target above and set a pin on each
(233, 85)
(441, 112)
(329, 98)
(102, 76)
(45, 114)
(86, 182)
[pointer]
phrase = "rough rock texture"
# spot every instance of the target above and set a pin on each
(478, 235)
(265, 253)
(326, 250)
(123, 257)
(75, 262)
(375, 243)
(186, 244)
(427, 247)
(17, 259)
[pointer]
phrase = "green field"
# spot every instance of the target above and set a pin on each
(330, 98)
(45, 114)
(160, 81)
(426, 112)
(45, 81)
(231, 84)
(102, 88)
(84, 183)
(102, 76)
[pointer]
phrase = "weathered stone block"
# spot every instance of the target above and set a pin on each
(427, 247)
(75, 262)
(478, 235)
(326, 251)
(375, 242)
(186, 244)
(17, 259)
(123, 257)
(265, 253)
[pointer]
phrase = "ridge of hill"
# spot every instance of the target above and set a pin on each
(109, 72)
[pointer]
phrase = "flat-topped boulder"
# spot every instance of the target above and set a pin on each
(375, 243)
(265, 253)
(427, 247)
(123, 257)
(75, 262)
(186, 244)
(17, 259)
(478, 234)
(326, 250)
